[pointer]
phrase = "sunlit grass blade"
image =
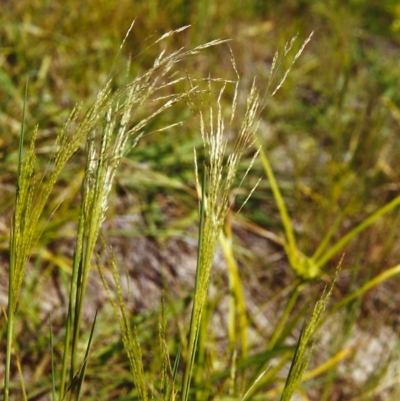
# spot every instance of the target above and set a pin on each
(238, 322)
(254, 385)
(324, 244)
(82, 372)
(53, 372)
(268, 376)
(380, 278)
(289, 232)
(16, 269)
(284, 317)
(337, 247)
(300, 263)
(17, 363)
(195, 318)
(329, 365)
(174, 375)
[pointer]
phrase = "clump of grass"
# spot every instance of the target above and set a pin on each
(111, 115)
(214, 192)
(111, 127)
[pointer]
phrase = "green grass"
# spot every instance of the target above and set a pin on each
(170, 237)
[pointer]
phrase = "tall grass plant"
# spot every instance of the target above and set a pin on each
(325, 145)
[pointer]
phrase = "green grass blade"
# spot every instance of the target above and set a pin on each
(268, 375)
(302, 265)
(238, 315)
(195, 318)
(86, 358)
(53, 372)
(328, 236)
(284, 318)
(380, 278)
(328, 255)
(12, 295)
(287, 224)
(175, 373)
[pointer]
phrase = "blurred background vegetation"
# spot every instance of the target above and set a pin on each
(331, 133)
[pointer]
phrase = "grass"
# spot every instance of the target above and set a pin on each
(283, 183)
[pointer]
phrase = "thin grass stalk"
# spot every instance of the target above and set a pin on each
(302, 265)
(328, 236)
(202, 391)
(380, 278)
(88, 223)
(305, 344)
(82, 373)
(93, 207)
(194, 330)
(10, 318)
(266, 376)
(166, 385)
(18, 364)
(53, 372)
(289, 232)
(21, 376)
(253, 386)
(285, 316)
(12, 294)
(210, 225)
(329, 364)
(174, 375)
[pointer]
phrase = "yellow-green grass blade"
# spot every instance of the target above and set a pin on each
(290, 244)
(331, 252)
(13, 287)
(238, 322)
(53, 371)
(82, 373)
(380, 278)
(194, 320)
